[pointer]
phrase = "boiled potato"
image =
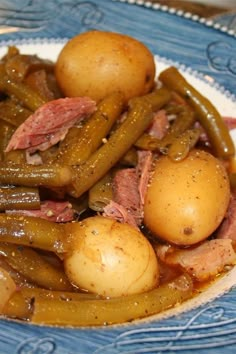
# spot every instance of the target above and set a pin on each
(186, 201)
(95, 63)
(110, 258)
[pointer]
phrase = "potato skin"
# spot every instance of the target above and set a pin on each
(110, 259)
(186, 201)
(95, 63)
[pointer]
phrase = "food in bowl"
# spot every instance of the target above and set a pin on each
(109, 204)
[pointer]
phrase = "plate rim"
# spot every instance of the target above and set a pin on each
(124, 327)
(194, 303)
(208, 22)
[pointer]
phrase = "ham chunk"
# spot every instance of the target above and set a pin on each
(143, 169)
(129, 189)
(202, 262)
(160, 124)
(125, 206)
(50, 123)
(49, 210)
(118, 212)
(125, 190)
(230, 122)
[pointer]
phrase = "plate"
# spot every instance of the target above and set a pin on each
(205, 53)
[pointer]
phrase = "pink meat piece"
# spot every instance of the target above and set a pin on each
(118, 212)
(160, 124)
(125, 189)
(230, 122)
(49, 210)
(203, 261)
(227, 229)
(129, 189)
(50, 123)
(143, 169)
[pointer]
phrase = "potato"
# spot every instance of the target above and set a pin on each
(186, 201)
(110, 258)
(95, 63)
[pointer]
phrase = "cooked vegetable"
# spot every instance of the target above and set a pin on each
(34, 267)
(118, 310)
(29, 98)
(7, 287)
(13, 113)
(90, 190)
(17, 307)
(20, 303)
(187, 200)
(18, 66)
(33, 232)
(96, 251)
(6, 131)
(184, 120)
(182, 144)
(138, 118)
(35, 175)
(101, 193)
(157, 98)
(89, 137)
(19, 198)
(96, 63)
(206, 112)
(109, 258)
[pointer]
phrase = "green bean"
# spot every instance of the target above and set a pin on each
(157, 98)
(6, 131)
(32, 231)
(19, 198)
(26, 96)
(117, 310)
(148, 142)
(101, 193)
(58, 294)
(18, 278)
(181, 146)
(49, 154)
(72, 134)
(15, 156)
(93, 131)
(138, 119)
(34, 267)
(13, 113)
(53, 153)
(11, 52)
(20, 304)
(20, 65)
(207, 114)
(35, 175)
(184, 120)
(18, 307)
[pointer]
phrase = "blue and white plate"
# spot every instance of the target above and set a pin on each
(206, 54)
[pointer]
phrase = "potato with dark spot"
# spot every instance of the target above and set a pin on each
(96, 63)
(186, 201)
